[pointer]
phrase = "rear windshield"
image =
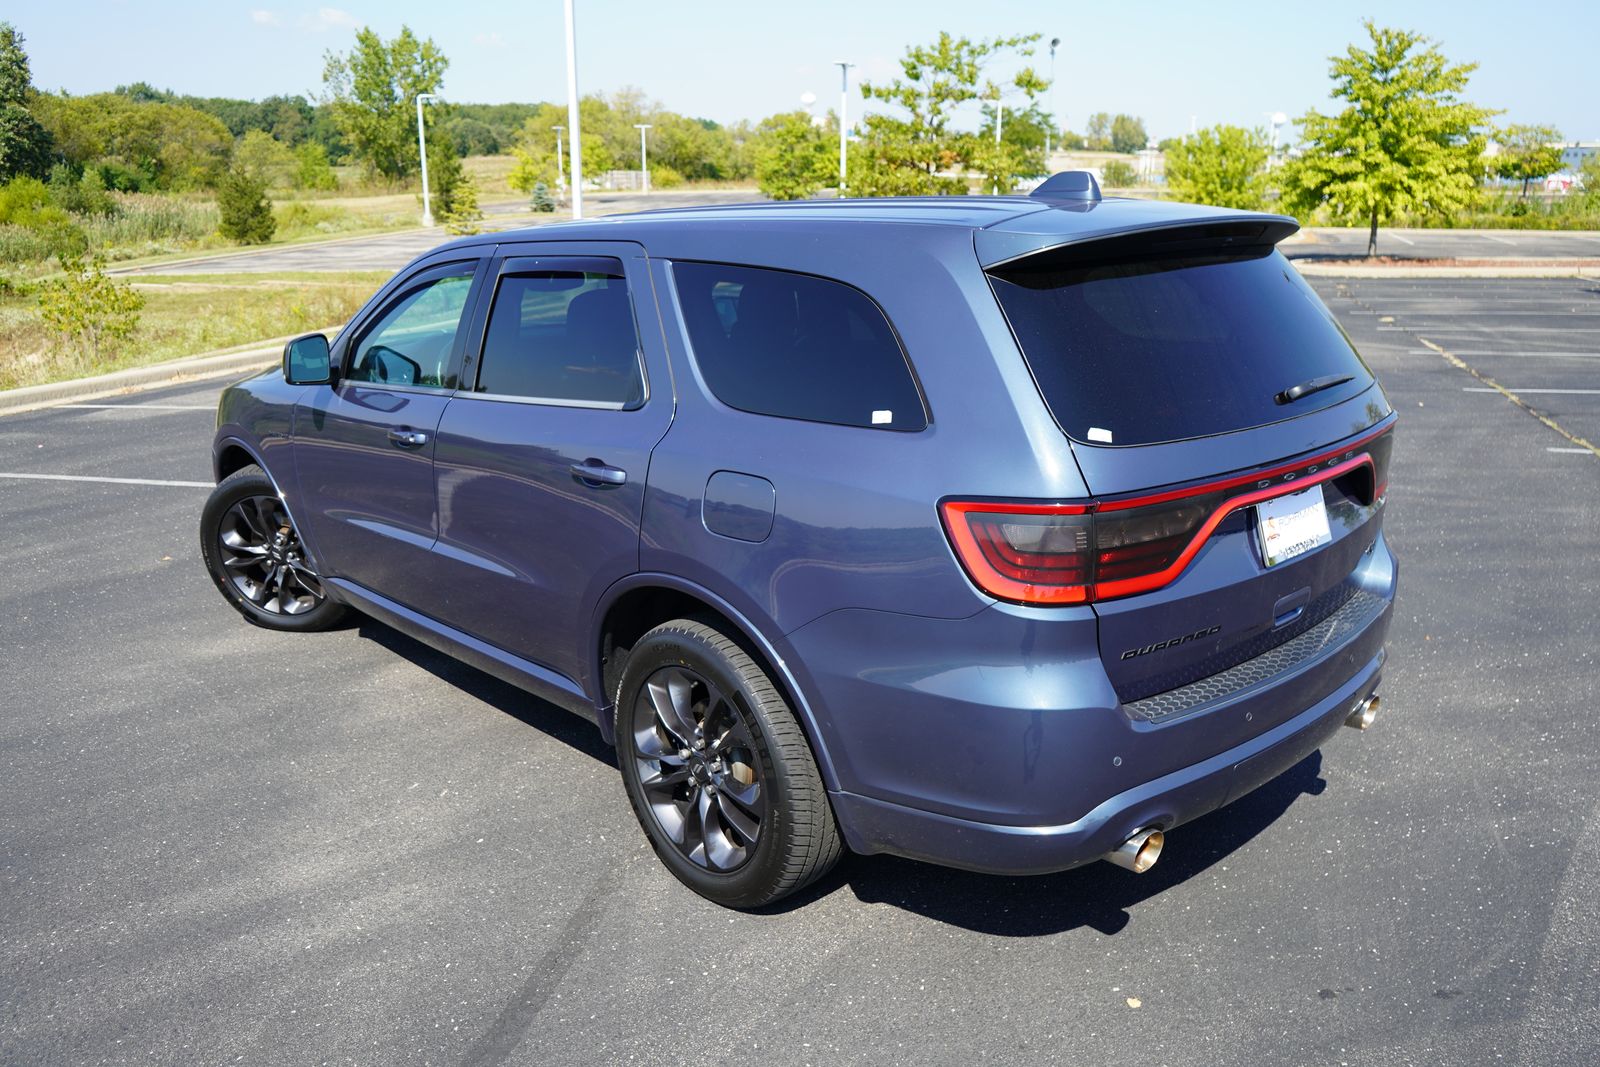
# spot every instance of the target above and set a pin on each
(1154, 349)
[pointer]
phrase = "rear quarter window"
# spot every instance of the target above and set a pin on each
(1152, 349)
(796, 346)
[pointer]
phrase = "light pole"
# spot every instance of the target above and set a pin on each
(1277, 118)
(644, 158)
(561, 173)
(844, 107)
(422, 151)
(999, 124)
(574, 137)
(1049, 133)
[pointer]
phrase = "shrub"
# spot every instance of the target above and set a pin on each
(20, 197)
(312, 170)
(541, 200)
(462, 216)
(246, 213)
(1119, 175)
(81, 194)
(88, 307)
(662, 177)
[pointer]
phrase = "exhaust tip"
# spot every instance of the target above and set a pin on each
(1139, 852)
(1363, 714)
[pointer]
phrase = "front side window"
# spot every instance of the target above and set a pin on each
(796, 346)
(564, 332)
(413, 340)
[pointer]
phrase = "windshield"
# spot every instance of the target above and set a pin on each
(1152, 349)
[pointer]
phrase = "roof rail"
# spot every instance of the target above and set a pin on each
(1069, 185)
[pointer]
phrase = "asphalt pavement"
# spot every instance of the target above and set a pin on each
(1448, 244)
(219, 844)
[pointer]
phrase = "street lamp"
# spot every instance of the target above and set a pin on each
(574, 136)
(644, 159)
(1277, 118)
(1049, 133)
(561, 174)
(844, 105)
(422, 151)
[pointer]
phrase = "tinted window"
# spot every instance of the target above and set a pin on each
(777, 343)
(563, 332)
(1166, 349)
(413, 339)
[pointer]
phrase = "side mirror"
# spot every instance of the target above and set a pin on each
(306, 361)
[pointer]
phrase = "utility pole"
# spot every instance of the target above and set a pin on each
(422, 151)
(561, 173)
(1055, 117)
(573, 133)
(844, 125)
(644, 159)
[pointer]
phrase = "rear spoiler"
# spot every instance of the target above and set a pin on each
(1071, 214)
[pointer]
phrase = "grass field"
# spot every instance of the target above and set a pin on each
(184, 315)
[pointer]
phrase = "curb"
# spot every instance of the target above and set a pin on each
(1509, 270)
(232, 361)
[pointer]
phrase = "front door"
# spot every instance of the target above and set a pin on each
(364, 446)
(542, 455)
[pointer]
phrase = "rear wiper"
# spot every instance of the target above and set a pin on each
(1315, 385)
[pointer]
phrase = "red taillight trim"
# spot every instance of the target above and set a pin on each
(983, 572)
(991, 581)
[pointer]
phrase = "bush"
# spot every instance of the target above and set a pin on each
(246, 213)
(312, 170)
(20, 198)
(89, 307)
(663, 177)
(81, 194)
(1119, 175)
(462, 215)
(541, 200)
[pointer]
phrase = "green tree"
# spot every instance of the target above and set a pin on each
(24, 143)
(1127, 134)
(246, 212)
(1527, 153)
(374, 90)
(1019, 153)
(461, 215)
(87, 307)
(1070, 141)
(1407, 141)
(311, 170)
(1223, 165)
(266, 158)
(137, 145)
(1097, 133)
(794, 158)
(912, 153)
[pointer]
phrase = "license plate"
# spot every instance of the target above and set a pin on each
(1292, 525)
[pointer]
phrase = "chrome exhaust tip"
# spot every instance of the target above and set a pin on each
(1139, 852)
(1363, 714)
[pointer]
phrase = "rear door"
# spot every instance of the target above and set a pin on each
(364, 446)
(1235, 444)
(542, 456)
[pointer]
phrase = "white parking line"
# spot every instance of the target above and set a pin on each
(1568, 392)
(114, 481)
(144, 407)
(1497, 240)
(1571, 451)
(1397, 237)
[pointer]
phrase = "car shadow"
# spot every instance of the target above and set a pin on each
(1097, 895)
(572, 730)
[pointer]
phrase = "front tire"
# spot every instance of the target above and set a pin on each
(718, 770)
(254, 555)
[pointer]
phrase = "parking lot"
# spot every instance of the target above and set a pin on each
(220, 844)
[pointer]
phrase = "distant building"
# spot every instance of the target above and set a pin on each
(1574, 155)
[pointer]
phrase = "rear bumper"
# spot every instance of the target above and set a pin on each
(879, 826)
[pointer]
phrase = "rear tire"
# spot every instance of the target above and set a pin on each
(718, 770)
(253, 552)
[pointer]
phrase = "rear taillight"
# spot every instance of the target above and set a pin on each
(1099, 549)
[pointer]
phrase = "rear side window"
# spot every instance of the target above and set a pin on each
(796, 346)
(563, 332)
(1168, 348)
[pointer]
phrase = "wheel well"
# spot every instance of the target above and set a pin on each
(641, 610)
(233, 458)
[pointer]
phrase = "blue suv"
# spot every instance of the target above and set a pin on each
(1005, 533)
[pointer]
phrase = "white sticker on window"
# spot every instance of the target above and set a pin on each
(1097, 434)
(880, 418)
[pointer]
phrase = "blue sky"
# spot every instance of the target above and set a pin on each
(1165, 61)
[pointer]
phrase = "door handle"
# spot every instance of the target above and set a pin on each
(408, 438)
(594, 472)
